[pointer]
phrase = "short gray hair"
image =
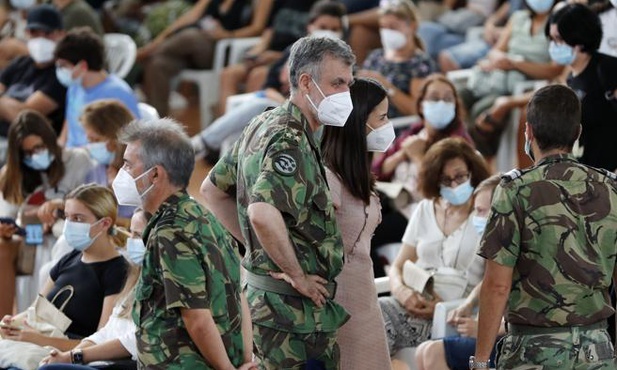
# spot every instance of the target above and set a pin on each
(164, 143)
(308, 53)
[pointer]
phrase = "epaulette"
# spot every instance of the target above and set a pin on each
(611, 175)
(511, 175)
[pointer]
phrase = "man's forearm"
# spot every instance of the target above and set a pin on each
(273, 236)
(223, 206)
(493, 298)
(204, 333)
(247, 329)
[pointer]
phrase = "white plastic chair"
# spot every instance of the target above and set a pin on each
(227, 52)
(121, 51)
(147, 112)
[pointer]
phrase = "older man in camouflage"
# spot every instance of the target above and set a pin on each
(285, 215)
(551, 244)
(189, 309)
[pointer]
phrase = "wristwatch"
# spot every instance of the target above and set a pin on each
(77, 356)
(473, 364)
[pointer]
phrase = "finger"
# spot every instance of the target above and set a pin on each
(322, 289)
(319, 279)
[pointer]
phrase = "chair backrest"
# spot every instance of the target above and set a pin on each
(121, 51)
(147, 112)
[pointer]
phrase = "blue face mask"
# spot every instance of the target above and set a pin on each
(77, 234)
(438, 114)
(479, 223)
(136, 250)
(457, 195)
(98, 152)
(65, 77)
(540, 6)
(39, 161)
(528, 150)
(561, 53)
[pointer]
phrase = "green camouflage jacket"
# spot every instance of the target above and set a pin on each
(276, 161)
(191, 262)
(555, 224)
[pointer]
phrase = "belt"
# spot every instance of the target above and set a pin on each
(516, 329)
(270, 284)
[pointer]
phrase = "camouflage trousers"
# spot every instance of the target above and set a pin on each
(279, 350)
(568, 350)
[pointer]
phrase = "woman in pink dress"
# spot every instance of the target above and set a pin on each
(345, 150)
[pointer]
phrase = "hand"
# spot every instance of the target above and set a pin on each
(467, 327)
(426, 307)
(408, 298)
(7, 230)
(146, 51)
(217, 32)
(311, 286)
(492, 119)
(56, 357)
(248, 366)
(25, 334)
(463, 310)
(414, 147)
(491, 33)
(47, 212)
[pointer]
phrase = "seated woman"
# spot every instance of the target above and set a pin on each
(116, 340)
(345, 152)
(441, 115)
(85, 282)
(520, 54)
(37, 171)
(190, 42)
(440, 238)
(453, 352)
(402, 64)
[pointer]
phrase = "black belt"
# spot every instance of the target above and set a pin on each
(516, 329)
(270, 284)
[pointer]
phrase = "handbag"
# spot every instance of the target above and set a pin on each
(44, 317)
(30, 354)
(447, 282)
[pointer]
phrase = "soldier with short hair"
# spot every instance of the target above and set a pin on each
(284, 213)
(189, 309)
(551, 248)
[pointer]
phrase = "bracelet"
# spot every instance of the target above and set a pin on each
(473, 364)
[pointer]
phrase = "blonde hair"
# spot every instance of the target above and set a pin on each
(102, 203)
(404, 10)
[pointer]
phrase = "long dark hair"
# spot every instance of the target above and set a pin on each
(344, 149)
(17, 180)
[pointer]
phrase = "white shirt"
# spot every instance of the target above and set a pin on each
(434, 249)
(119, 328)
(609, 30)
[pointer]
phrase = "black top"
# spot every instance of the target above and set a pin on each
(22, 78)
(599, 115)
(272, 80)
(92, 282)
(288, 21)
(231, 19)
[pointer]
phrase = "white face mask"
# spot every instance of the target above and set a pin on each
(614, 3)
(23, 4)
(125, 188)
(334, 109)
(379, 140)
(41, 49)
(392, 39)
(327, 34)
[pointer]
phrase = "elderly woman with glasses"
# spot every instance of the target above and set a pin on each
(439, 242)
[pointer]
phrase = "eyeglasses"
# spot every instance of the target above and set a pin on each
(458, 179)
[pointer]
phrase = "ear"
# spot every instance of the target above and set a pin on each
(82, 66)
(303, 83)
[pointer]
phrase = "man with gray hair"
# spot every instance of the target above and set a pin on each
(189, 309)
(270, 191)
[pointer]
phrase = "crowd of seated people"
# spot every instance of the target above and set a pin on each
(62, 115)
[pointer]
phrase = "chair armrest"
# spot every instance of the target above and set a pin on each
(531, 85)
(441, 328)
(460, 76)
(235, 46)
(382, 284)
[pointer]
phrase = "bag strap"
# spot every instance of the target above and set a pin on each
(602, 78)
(62, 290)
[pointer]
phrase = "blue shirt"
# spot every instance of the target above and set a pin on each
(78, 97)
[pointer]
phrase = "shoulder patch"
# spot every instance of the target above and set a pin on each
(285, 163)
(511, 175)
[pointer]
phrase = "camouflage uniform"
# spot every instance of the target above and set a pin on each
(555, 224)
(276, 161)
(191, 262)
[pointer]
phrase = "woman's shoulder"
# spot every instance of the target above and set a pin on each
(76, 156)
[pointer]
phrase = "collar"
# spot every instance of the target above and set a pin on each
(169, 203)
(557, 158)
(298, 116)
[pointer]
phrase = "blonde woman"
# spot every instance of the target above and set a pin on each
(116, 340)
(88, 278)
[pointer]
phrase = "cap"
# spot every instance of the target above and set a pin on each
(45, 18)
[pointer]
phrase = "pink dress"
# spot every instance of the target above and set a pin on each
(362, 340)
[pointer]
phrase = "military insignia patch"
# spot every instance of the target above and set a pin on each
(285, 164)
